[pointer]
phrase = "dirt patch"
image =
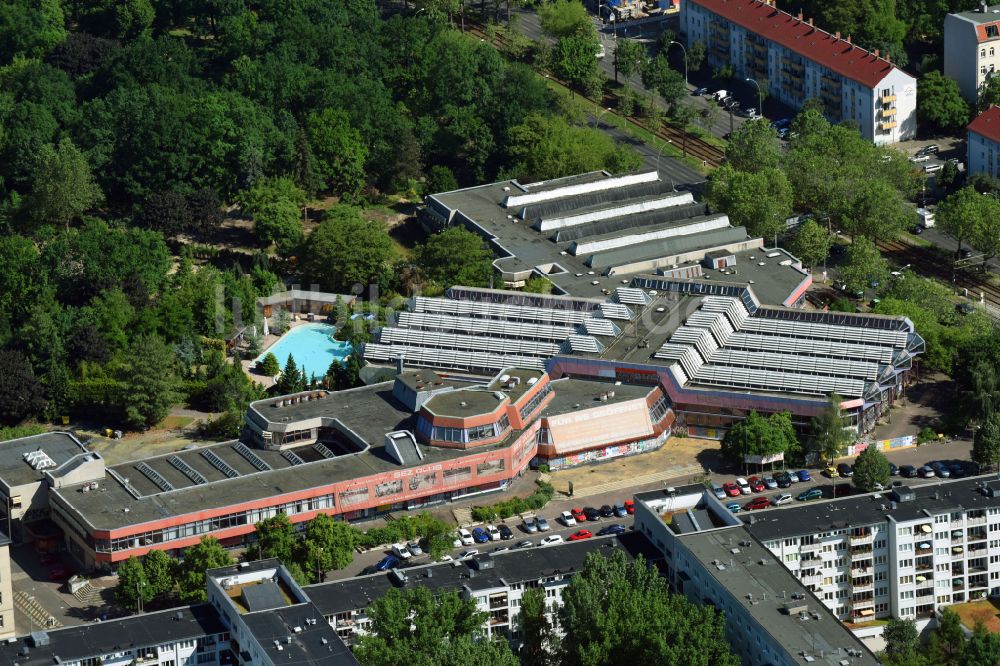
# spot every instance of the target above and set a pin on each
(972, 613)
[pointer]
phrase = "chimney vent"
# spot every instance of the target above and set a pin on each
(810, 21)
(848, 39)
(837, 35)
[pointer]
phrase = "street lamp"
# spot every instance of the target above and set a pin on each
(685, 59)
(597, 120)
(659, 152)
(760, 95)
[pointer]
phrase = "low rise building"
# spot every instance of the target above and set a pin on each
(972, 48)
(983, 144)
(794, 61)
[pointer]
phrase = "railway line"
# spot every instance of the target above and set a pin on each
(695, 147)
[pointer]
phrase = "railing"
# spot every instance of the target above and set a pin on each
(813, 579)
(861, 538)
(887, 125)
(810, 547)
(957, 523)
(981, 520)
(976, 536)
(887, 99)
(888, 112)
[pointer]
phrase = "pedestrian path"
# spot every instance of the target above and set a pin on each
(635, 481)
(34, 611)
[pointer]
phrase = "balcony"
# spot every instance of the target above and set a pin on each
(976, 535)
(812, 579)
(976, 582)
(858, 539)
(924, 548)
(720, 28)
(958, 523)
(810, 547)
(863, 585)
(886, 126)
(830, 96)
(888, 112)
(861, 570)
(958, 584)
(887, 99)
(498, 603)
(831, 82)
(976, 520)
(858, 604)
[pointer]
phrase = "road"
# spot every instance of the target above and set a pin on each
(957, 450)
(674, 169)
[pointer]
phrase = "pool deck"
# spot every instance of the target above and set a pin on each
(269, 341)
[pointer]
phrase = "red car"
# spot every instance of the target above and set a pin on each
(630, 506)
(582, 534)
(756, 484)
(579, 515)
(48, 558)
(60, 573)
(757, 503)
(731, 489)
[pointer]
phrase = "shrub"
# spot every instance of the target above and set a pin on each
(927, 434)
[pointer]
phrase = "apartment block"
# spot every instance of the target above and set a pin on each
(983, 144)
(972, 48)
(794, 61)
(906, 553)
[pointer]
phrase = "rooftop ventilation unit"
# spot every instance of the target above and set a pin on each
(220, 464)
(251, 457)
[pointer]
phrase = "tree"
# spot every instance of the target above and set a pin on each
(986, 233)
(133, 589)
(948, 177)
(30, 28)
(629, 56)
(563, 18)
(21, 394)
(63, 186)
(986, 443)
(989, 94)
(829, 435)
(339, 150)
(132, 17)
(346, 374)
(208, 554)
(668, 83)
(961, 213)
(876, 211)
(940, 103)
(947, 644)
(865, 266)
(983, 648)
(537, 635)
(574, 61)
(329, 542)
(652, 625)
(276, 538)
(416, 626)
(901, 639)
(269, 366)
(811, 243)
(440, 179)
(151, 382)
(278, 222)
(456, 256)
(757, 436)
(761, 201)
(291, 380)
(166, 211)
(345, 250)
(696, 55)
(160, 571)
(870, 468)
(754, 147)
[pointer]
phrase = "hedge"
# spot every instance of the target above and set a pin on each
(515, 505)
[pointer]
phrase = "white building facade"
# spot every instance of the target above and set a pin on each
(794, 61)
(972, 48)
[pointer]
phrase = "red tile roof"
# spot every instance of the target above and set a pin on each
(981, 32)
(987, 124)
(817, 45)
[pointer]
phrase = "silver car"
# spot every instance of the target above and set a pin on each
(529, 525)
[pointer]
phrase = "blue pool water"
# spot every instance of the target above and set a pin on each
(312, 346)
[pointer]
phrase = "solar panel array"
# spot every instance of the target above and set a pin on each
(721, 344)
(251, 457)
(292, 457)
(449, 358)
(154, 476)
(187, 470)
(511, 329)
(321, 449)
(497, 310)
(632, 296)
(219, 464)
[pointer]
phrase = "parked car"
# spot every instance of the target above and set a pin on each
(446, 558)
(607, 511)
(543, 525)
(797, 476)
(732, 490)
(718, 491)
(756, 484)
(926, 472)
(493, 532)
(893, 470)
(387, 562)
(505, 532)
(501, 549)
(580, 535)
(591, 513)
(620, 511)
(941, 469)
(579, 515)
(371, 569)
(842, 490)
(757, 503)
(48, 558)
(783, 498)
(931, 168)
(845, 471)
(611, 529)
(465, 537)
(734, 507)
(831, 472)
(783, 479)
(907, 471)
(932, 149)
(401, 551)
(479, 535)
(468, 554)
(529, 525)
(957, 470)
(743, 485)
(527, 543)
(769, 483)
(920, 158)
(811, 494)
(567, 519)
(550, 540)
(630, 506)
(700, 91)
(414, 548)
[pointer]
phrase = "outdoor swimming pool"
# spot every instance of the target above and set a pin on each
(312, 347)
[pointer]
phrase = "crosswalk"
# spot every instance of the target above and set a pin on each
(30, 607)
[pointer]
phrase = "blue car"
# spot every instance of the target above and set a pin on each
(611, 529)
(804, 475)
(479, 535)
(734, 507)
(387, 562)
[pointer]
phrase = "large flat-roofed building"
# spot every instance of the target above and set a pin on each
(972, 48)
(983, 144)
(905, 553)
(582, 230)
(796, 61)
(771, 618)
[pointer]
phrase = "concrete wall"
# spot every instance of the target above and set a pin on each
(6, 596)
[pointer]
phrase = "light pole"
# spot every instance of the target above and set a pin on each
(685, 51)
(760, 95)
(659, 152)
(597, 120)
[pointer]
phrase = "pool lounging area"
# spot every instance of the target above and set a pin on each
(312, 346)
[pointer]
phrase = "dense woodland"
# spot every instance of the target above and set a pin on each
(132, 132)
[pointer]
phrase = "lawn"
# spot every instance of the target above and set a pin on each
(974, 612)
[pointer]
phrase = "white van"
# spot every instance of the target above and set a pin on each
(719, 95)
(926, 218)
(600, 51)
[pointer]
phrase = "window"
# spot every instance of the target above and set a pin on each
(991, 50)
(982, 53)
